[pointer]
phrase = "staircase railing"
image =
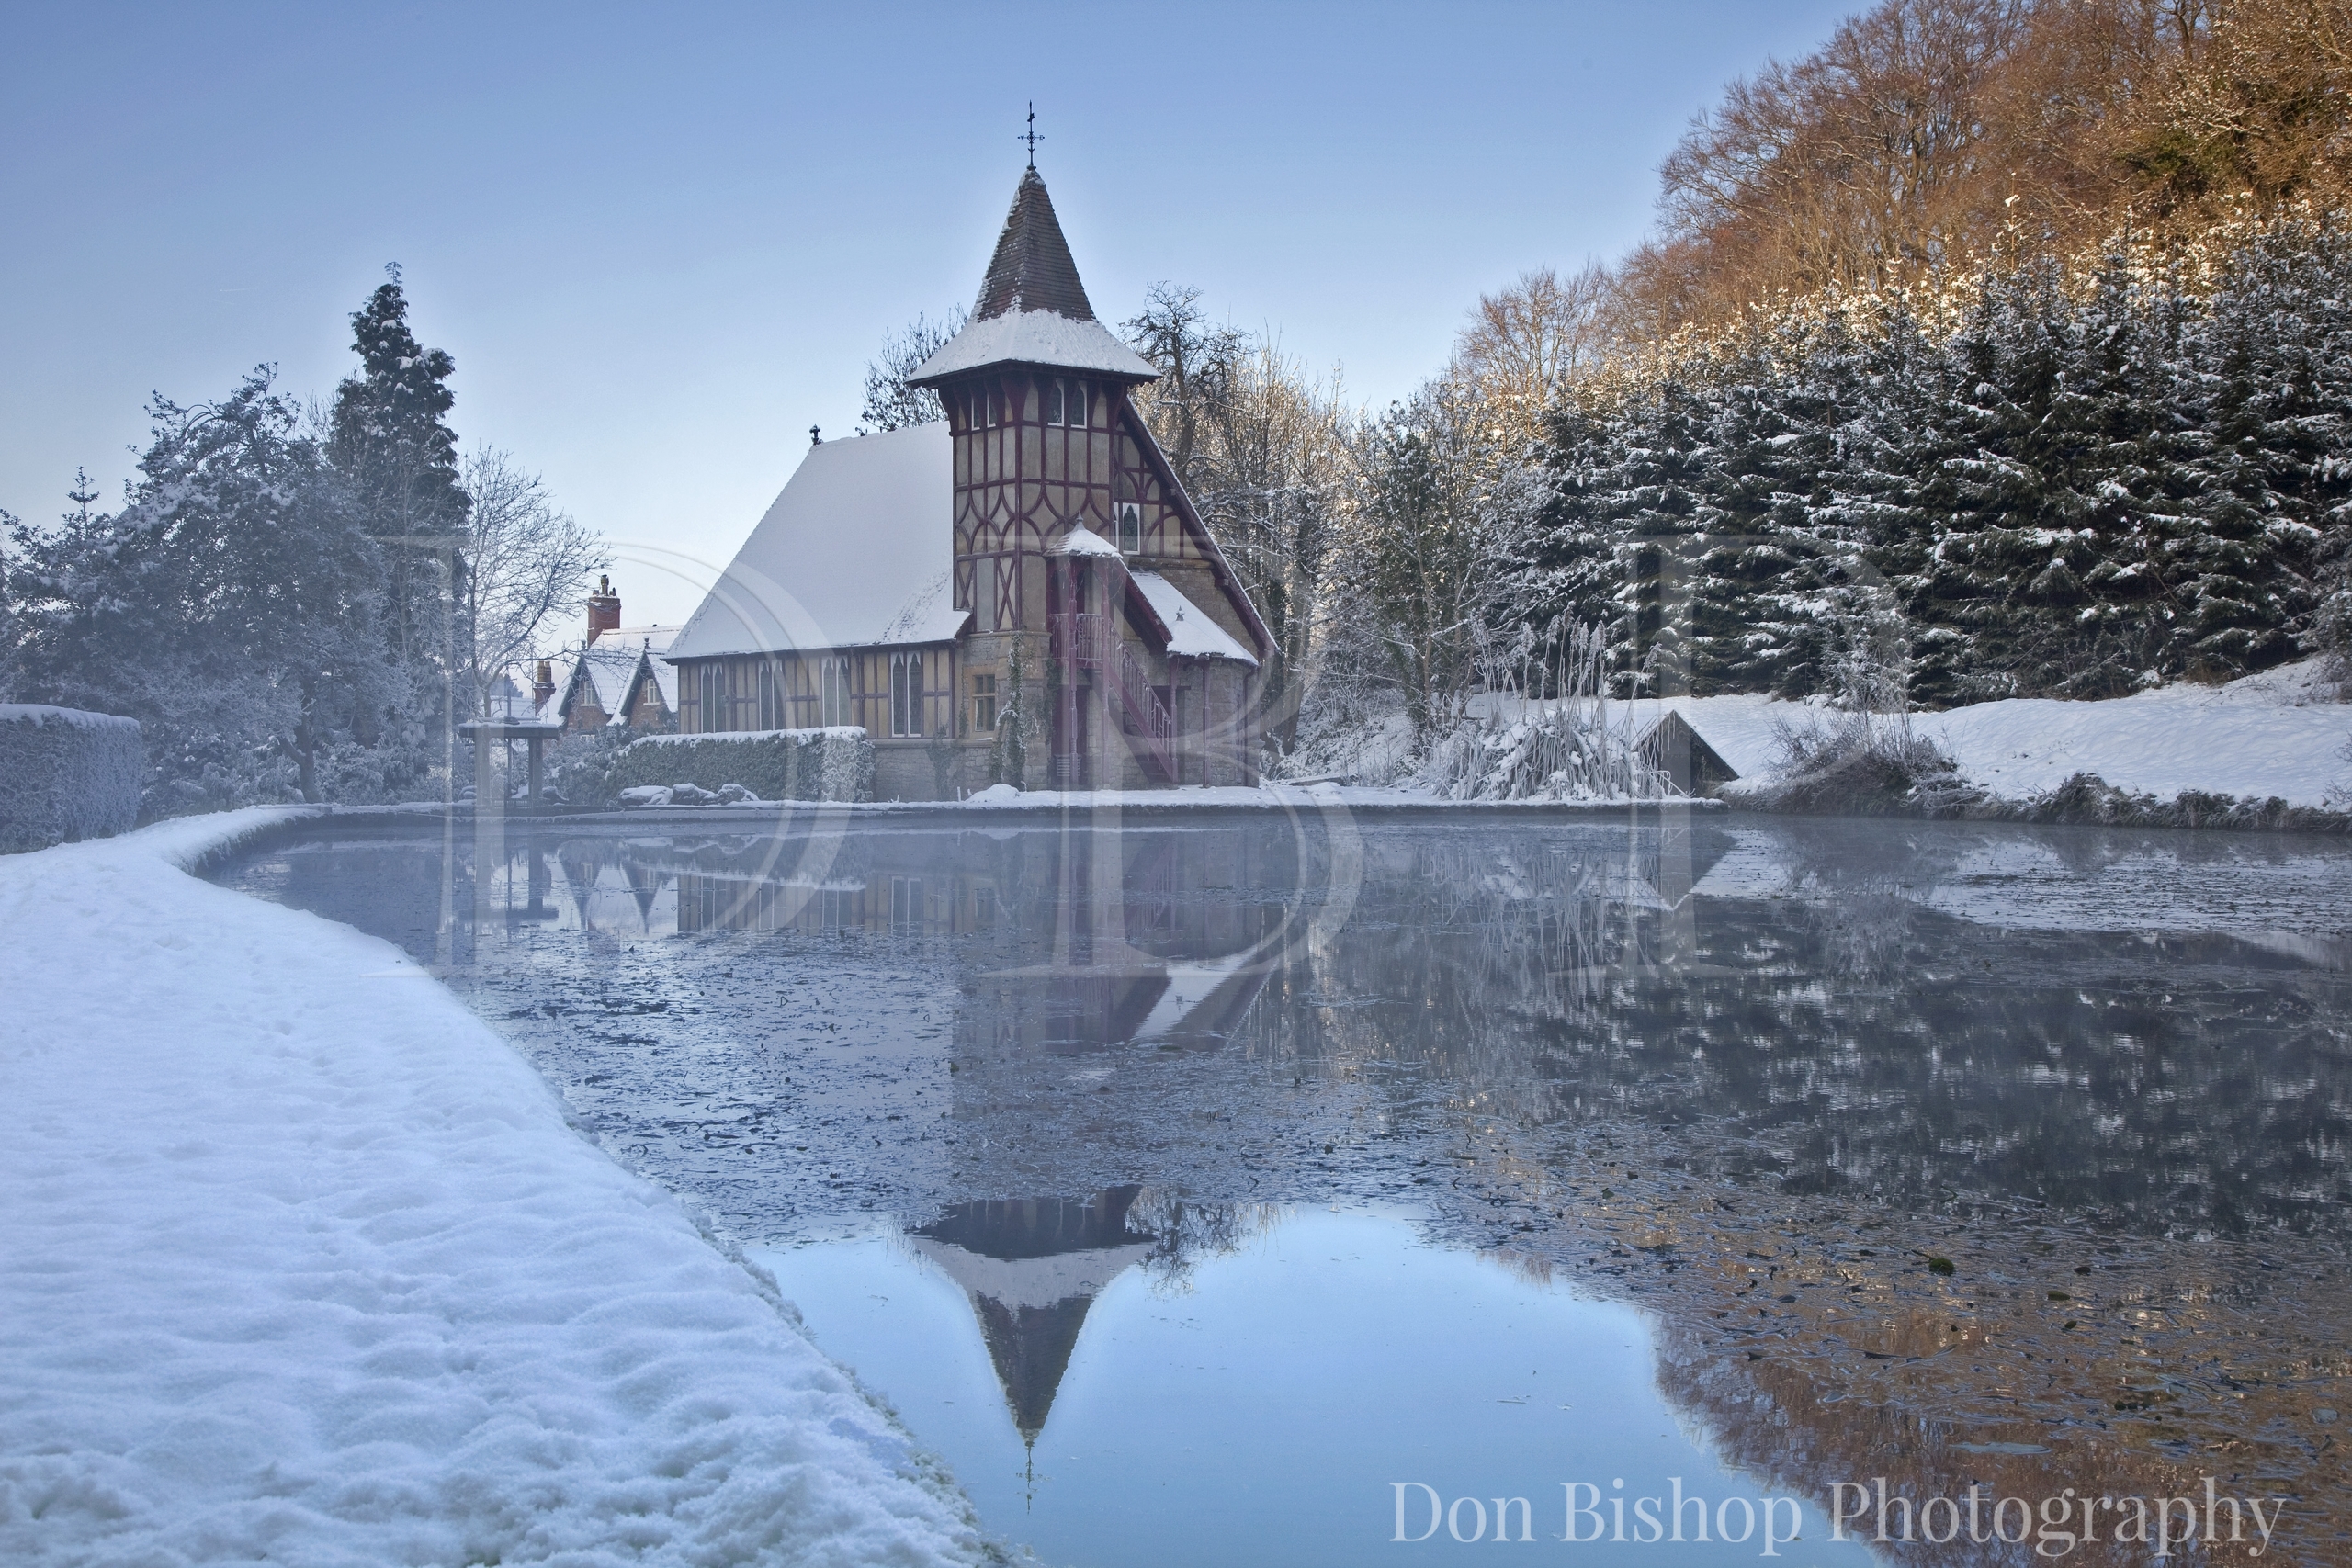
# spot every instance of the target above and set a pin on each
(1148, 715)
(1079, 639)
(1086, 641)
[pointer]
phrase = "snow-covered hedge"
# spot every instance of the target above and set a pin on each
(65, 774)
(835, 764)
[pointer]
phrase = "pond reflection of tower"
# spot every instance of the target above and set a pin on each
(1031, 1268)
(1138, 936)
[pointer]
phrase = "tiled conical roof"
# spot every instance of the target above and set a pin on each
(1032, 310)
(1031, 269)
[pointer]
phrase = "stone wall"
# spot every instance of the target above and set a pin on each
(65, 774)
(775, 765)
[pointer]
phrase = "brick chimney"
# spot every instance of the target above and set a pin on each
(543, 685)
(604, 609)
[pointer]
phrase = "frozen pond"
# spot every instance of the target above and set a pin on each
(1230, 1402)
(1189, 1187)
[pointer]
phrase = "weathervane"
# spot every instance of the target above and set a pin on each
(1032, 138)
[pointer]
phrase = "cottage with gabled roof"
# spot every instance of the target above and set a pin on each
(1021, 593)
(620, 679)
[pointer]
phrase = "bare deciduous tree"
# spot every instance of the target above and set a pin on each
(1444, 494)
(525, 558)
(1926, 133)
(1196, 360)
(891, 403)
(1272, 479)
(1261, 450)
(1525, 342)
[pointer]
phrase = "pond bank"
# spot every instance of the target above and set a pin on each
(1029, 806)
(2269, 752)
(307, 1264)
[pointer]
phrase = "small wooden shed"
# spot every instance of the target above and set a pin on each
(1680, 751)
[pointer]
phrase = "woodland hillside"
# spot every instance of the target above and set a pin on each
(1996, 349)
(1927, 135)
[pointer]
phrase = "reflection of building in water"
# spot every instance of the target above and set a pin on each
(611, 889)
(1083, 937)
(1074, 936)
(1031, 1268)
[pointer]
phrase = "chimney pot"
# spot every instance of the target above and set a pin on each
(604, 609)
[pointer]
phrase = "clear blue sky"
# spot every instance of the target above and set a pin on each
(662, 241)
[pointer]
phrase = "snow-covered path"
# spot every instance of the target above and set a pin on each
(300, 1262)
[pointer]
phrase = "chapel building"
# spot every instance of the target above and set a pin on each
(1021, 593)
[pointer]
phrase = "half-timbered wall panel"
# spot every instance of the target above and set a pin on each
(903, 693)
(1035, 454)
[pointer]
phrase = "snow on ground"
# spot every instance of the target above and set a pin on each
(2266, 735)
(2275, 734)
(1273, 793)
(304, 1264)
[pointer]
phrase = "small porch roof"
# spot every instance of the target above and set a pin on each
(1191, 633)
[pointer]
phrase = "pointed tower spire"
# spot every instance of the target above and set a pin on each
(1031, 269)
(1032, 310)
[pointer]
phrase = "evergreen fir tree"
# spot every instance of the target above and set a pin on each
(1647, 503)
(388, 437)
(2267, 477)
(2093, 482)
(1563, 571)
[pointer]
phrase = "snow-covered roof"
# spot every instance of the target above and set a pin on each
(665, 680)
(1082, 541)
(856, 551)
(1191, 633)
(1035, 337)
(606, 670)
(1032, 310)
(653, 639)
(41, 714)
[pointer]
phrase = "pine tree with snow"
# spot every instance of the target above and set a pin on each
(1766, 591)
(2269, 470)
(2093, 481)
(388, 436)
(1641, 494)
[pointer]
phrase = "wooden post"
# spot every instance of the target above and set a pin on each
(490, 838)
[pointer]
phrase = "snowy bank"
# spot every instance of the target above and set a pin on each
(2262, 736)
(305, 1264)
(1273, 795)
(2281, 734)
